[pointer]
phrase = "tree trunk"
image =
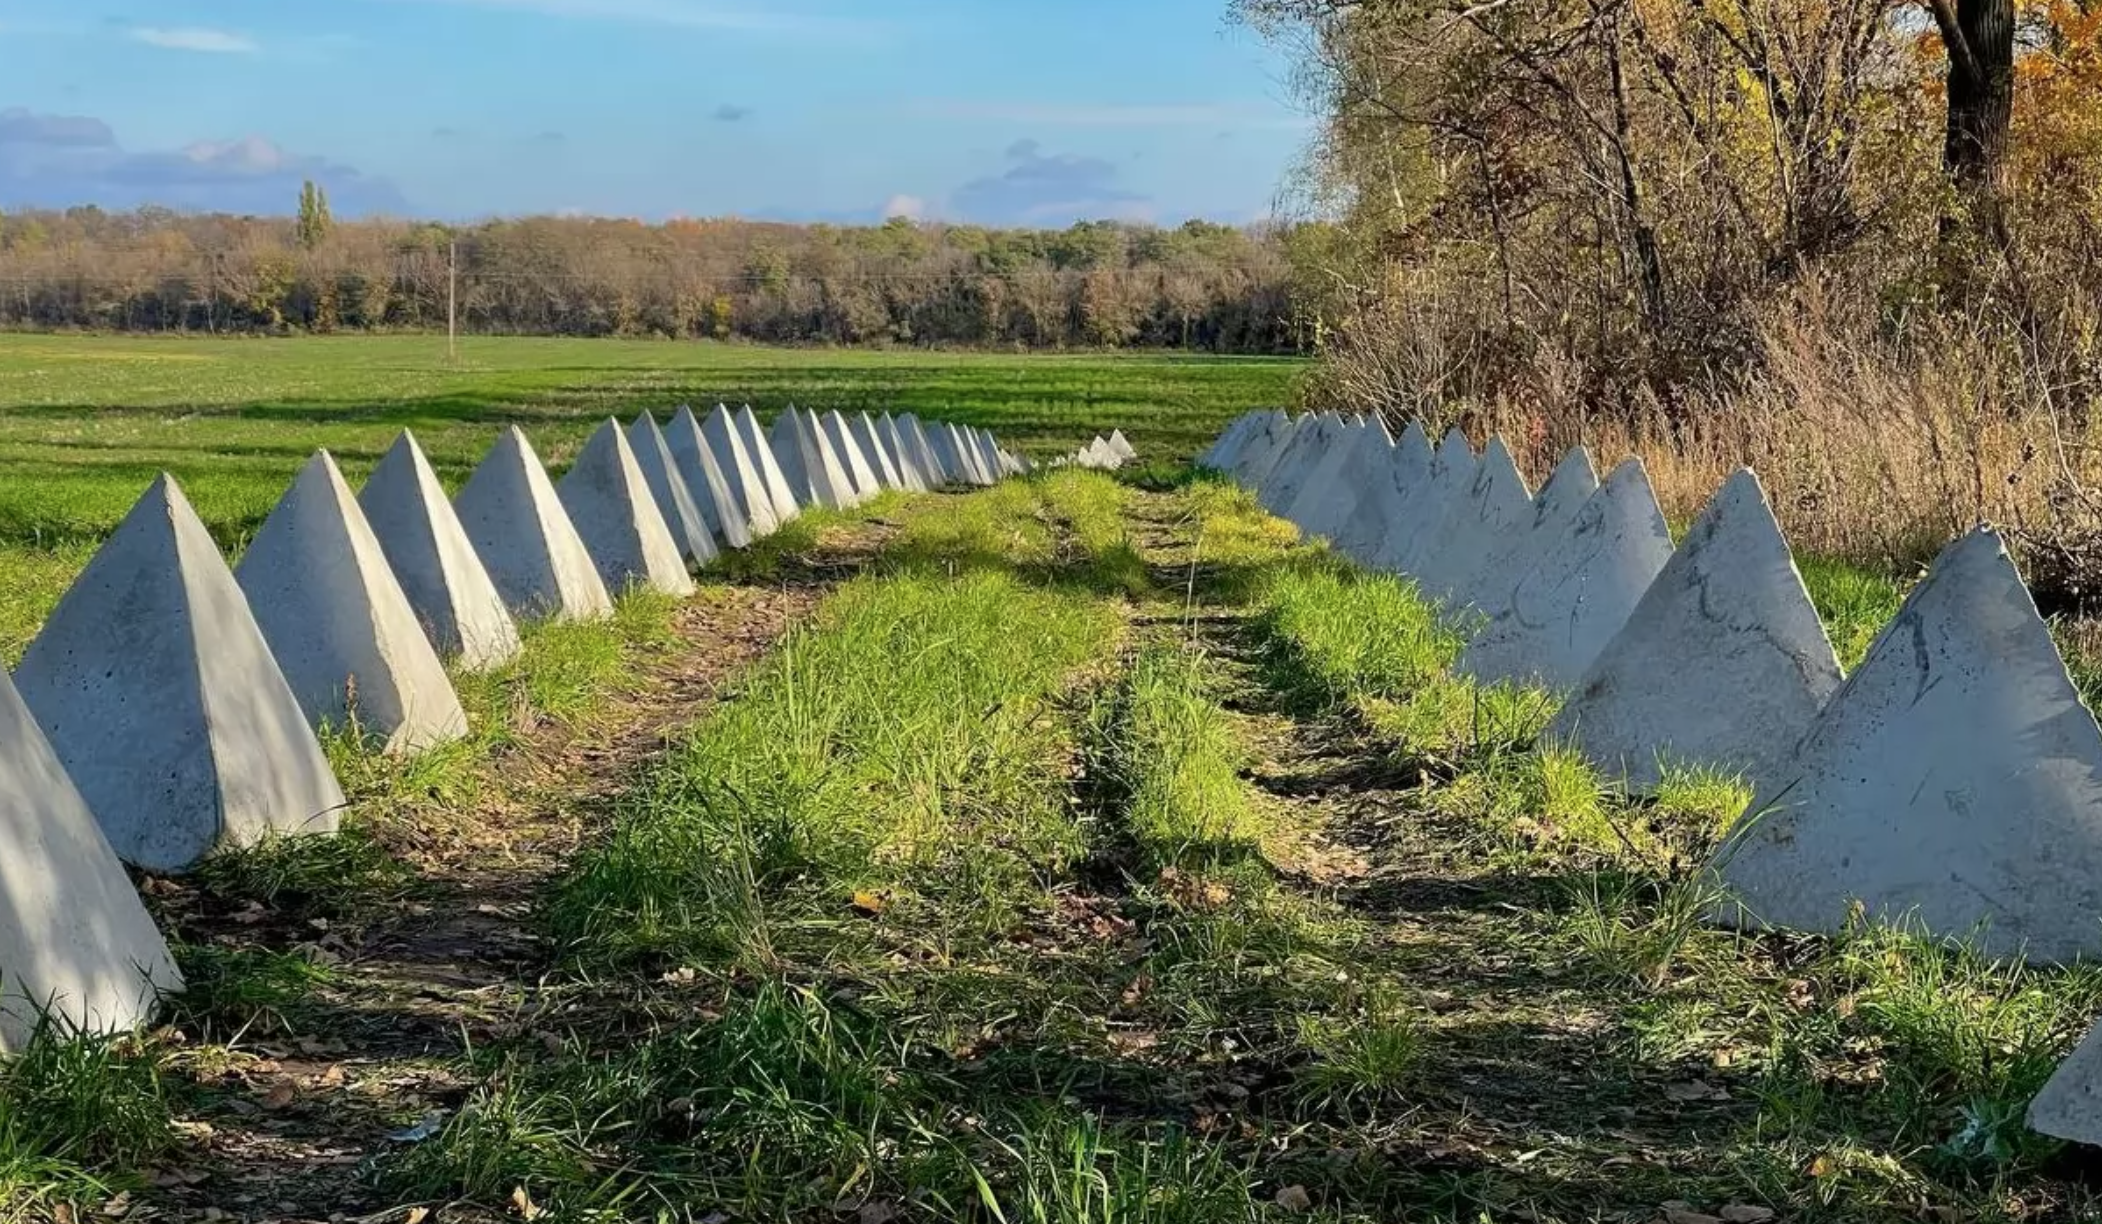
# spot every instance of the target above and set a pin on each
(1979, 36)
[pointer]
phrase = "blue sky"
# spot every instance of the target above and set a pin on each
(999, 111)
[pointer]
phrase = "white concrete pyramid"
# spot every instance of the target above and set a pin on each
(444, 579)
(1220, 454)
(1122, 446)
(523, 535)
(921, 441)
(1326, 497)
(1264, 451)
(1310, 444)
(787, 443)
(1386, 483)
(705, 479)
(861, 473)
(615, 514)
(2070, 1105)
(1563, 613)
(828, 472)
(1723, 663)
(338, 622)
(988, 450)
(689, 527)
(1418, 546)
(1496, 508)
(1568, 487)
(1954, 781)
(741, 474)
(1262, 436)
(163, 702)
(762, 455)
(74, 940)
(958, 447)
(911, 474)
(870, 442)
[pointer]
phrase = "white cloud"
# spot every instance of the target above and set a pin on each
(192, 38)
(910, 207)
(1064, 114)
(678, 14)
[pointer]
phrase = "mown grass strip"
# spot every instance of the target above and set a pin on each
(905, 742)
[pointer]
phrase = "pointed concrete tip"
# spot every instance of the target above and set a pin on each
(525, 539)
(615, 513)
(1953, 783)
(1584, 582)
(446, 583)
(338, 621)
(1723, 664)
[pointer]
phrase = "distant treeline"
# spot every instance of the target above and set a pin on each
(1099, 284)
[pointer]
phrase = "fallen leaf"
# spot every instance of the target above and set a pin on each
(523, 1204)
(331, 1078)
(117, 1206)
(1741, 1213)
(417, 1215)
(871, 903)
(1821, 1167)
(1295, 1198)
(253, 914)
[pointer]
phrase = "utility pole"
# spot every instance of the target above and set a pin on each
(452, 303)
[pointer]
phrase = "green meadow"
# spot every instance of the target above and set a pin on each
(87, 422)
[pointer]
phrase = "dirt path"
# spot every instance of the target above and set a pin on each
(285, 1122)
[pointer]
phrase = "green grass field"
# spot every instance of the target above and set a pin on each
(1076, 851)
(87, 422)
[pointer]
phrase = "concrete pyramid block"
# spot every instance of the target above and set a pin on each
(74, 940)
(1121, 446)
(2070, 1105)
(861, 472)
(615, 514)
(1327, 496)
(921, 441)
(1220, 454)
(741, 476)
(444, 579)
(763, 458)
(1496, 507)
(1310, 444)
(988, 452)
(696, 461)
(965, 460)
(787, 445)
(1953, 781)
(1723, 663)
(523, 535)
(1417, 548)
(912, 476)
(821, 462)
(1564, 612)
(870, 442)
(689, 527)
(164, 704)
(1568, 487)
(1264, 451)
(1385, 484)
(338, 622)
